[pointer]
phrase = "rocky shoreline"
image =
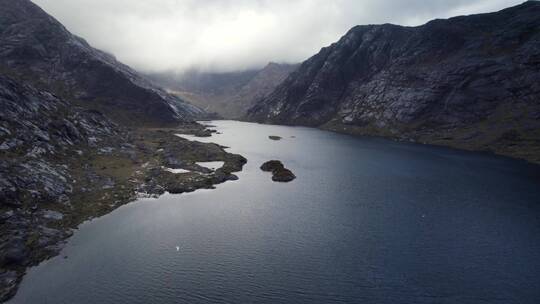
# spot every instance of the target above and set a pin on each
(78, 138)
(92, 181)
(508, 144)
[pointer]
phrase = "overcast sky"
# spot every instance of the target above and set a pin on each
(226, 35)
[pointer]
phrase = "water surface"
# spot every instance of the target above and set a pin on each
(366, 221)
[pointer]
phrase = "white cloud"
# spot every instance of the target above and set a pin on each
(225, 35)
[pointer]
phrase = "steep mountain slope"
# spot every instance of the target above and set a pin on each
(38, 48)
(470, 82)
(61, 164)
(228, 94)
(79, 137)
(40, 136)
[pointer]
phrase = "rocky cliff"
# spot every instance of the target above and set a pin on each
(40, 135)
(470, 82)
(38, 48)
(61, 164)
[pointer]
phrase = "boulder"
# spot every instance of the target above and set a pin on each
(272, 165)
(279, 172)
(283, 175)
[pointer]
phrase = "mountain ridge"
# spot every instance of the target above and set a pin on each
(35, 45)
(469, 82)
(80, 135)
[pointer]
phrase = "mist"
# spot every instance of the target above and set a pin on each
(231, 35)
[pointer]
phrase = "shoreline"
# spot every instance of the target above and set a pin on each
(104, 179)
(509, 149)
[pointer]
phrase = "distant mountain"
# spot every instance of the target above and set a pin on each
(470, 82)
(228, 94)
(203, 82)
(258, 87)
(37, 48)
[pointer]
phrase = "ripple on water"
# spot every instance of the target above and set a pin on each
(366, 221)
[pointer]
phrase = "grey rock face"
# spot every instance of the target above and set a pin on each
(39, 131)
(35, 46)
(466, 82)
(8, 279)
(45, 129)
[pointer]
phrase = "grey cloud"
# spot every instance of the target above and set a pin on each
(225, 35)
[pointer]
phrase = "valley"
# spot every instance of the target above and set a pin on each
(228, 95)
(398, 163)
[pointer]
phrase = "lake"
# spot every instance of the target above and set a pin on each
(366, 220)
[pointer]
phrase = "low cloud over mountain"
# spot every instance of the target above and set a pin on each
(228, 35)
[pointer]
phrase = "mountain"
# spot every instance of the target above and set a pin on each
(80, 135)
(206, 82)
(470, 82)
(36, 47)
(207, 90)
(258, 87)
(228, 94)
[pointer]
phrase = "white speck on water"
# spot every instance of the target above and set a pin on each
(177, 248)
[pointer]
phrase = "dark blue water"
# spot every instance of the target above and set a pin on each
(366, 221)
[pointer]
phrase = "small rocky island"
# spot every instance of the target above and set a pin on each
(279, 172)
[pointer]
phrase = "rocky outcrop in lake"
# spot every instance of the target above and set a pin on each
(471, 82)
(279, 172)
